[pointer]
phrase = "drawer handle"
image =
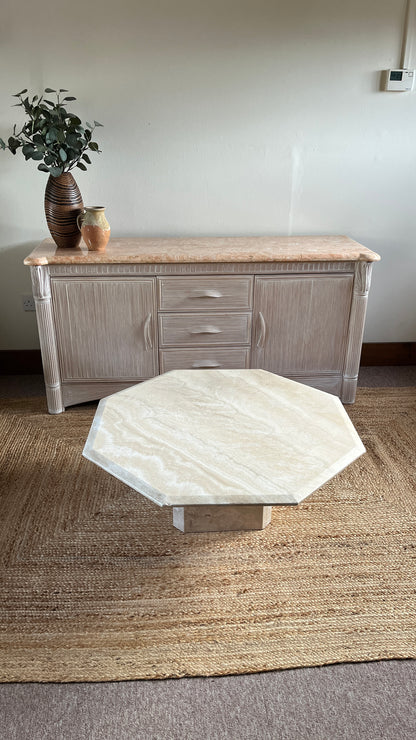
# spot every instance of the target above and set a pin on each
(206, 294)
(206, 330)
(148, 343)
(206, 363)
(262, 330)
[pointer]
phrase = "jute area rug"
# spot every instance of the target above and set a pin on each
(96, 584)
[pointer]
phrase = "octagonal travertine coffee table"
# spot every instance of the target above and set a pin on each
(221, 447)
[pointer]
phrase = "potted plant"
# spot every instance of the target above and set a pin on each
(59, 141)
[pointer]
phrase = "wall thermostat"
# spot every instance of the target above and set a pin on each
(399, 80)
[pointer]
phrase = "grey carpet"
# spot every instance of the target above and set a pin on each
(372, 377)
(365, 701)
(14, 386)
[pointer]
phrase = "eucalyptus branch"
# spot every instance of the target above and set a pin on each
(52, 134)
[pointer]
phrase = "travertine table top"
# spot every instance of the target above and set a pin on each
(222, 437)
(208, 249)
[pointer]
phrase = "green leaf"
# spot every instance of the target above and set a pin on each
(72, 140)
(36, 155)
(63, 155)
(50, 102)
(94, 146)
(43, 168)
(47, 89)
(87, 159)
(98, 124)
(49, 159)
(28, 149)
(87, 135)
(22, 92)
(75, 120)
(51, 135)
(81, 166)
(2, 144)
(89, 125)
(69, 97)
(61, 89)
(56, 171)
(38, 139)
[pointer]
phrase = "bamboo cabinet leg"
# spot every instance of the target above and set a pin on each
(362, 282)
(42, 295)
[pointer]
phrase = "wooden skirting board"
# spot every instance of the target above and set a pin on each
(388, 353)
(20, 362)
(28, 361)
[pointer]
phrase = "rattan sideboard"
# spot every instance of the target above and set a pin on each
(292, 305)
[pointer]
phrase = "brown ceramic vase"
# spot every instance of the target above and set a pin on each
(63, 204)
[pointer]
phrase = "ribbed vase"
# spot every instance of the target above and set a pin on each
(63, 204)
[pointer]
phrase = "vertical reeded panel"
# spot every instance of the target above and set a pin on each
(105, 328)
(305, 323)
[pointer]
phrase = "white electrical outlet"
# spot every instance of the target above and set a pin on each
(28, 303)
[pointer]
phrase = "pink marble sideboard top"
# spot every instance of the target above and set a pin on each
(208, 249)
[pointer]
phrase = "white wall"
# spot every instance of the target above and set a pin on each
(222, 117)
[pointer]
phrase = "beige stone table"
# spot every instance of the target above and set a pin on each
(222, 446)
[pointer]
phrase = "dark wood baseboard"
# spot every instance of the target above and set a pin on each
(28, 361)
(20, 362)
(388, 353)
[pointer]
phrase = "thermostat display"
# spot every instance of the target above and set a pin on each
(399, 80)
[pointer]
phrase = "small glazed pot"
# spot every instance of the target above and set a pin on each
(94, 228)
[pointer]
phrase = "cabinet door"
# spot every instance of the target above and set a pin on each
(105, 328)
(301, 323)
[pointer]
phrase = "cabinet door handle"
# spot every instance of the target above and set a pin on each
(206, 294)
(206, 363)
(262, 330)
(206, 330)
(148, 342)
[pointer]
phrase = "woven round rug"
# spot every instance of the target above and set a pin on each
(97, 585)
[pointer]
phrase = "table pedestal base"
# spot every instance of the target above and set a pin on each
(221, 518)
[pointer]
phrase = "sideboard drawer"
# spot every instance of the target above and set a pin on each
(203, 359)
(202, 293)
(204, 328)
